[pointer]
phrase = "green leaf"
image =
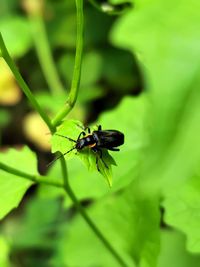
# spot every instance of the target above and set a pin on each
(16, 34)
(124, 79)
(72, 129)
(170, 65)
(45, 100)
(63, 23)
(173, 251)
(7, 7)
(90, 93)
(34, 228)
(91, 68)
(12, 188)
(182, 207)
(129, 221)
(155, 46)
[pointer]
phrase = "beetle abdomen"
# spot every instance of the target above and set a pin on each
(109, 138)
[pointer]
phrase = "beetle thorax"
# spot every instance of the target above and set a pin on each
(85, 141)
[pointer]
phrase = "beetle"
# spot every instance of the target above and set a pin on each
(96, 140)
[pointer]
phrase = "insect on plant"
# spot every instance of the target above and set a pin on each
(96, 141)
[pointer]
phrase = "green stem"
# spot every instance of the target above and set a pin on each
(33, 178)
(77, 67)
(44, 53)
(62, 113)
(85, 216)
(23, 85)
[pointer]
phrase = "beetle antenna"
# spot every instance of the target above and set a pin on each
(62, 155)
(70, 139)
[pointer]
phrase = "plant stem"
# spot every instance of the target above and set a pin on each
(33, 178)
(23, 85)
(85, 216)
(77, 67)
(62, 113)
(44, 53)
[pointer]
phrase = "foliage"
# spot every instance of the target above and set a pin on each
(140, 75)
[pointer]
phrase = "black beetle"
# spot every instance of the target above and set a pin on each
(96, 140)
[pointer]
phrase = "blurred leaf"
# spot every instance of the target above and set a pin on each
(53, 104)
(97, 27)
(112, 7)
(119, 1)
(137, 241)
(61, 23)
(91, 68)
(173, 252)
(90, 75)
(167, 46)
(9, 91)
(37, 131)
(183, 211)
(12, 188)
(16, 35)
(4, 117)
(119, 69)
(36, 227)
(90, 93)
(72, 129)
(7, 7)
(4, 255)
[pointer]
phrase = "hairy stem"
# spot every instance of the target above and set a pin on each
(85, 216)
(34, 178)
(23, 85)
(71, 100)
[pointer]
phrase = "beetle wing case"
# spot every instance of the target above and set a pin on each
(109, 138)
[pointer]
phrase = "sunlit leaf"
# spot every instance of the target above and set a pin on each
(12, 187)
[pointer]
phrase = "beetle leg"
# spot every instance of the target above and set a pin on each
(84, 128)
(95, 150)
(87, 129)
(99, 128)
(82, 133)
(99, 151)
(97, 165)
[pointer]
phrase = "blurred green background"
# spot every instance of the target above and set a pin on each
(140, 74)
